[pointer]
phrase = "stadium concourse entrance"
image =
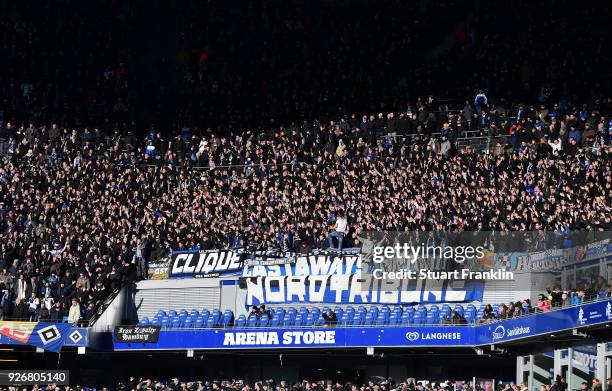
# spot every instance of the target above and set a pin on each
(290, 365)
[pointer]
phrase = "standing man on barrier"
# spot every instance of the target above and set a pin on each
(338, 230)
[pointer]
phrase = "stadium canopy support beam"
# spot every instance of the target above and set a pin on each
(519, 369)
(531, 366)
(601, 362)
(557, 362)
(570, 369)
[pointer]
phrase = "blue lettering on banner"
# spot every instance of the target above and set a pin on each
(343, 337)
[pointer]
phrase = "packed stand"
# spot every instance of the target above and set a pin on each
(87, 200)
(84, 210)
(233, 66)
(377, 383)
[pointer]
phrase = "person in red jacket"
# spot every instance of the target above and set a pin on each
(543, 304)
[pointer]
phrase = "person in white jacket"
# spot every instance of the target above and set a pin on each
(74, 314)
(555, 145)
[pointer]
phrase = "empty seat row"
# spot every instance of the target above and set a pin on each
(193, 319)
(303, 316)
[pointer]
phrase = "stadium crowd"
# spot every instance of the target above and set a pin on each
(87, 199)
(375, 384)
(83, 210)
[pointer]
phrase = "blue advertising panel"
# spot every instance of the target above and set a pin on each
(549, 322)
(308, 338)
(346, 337)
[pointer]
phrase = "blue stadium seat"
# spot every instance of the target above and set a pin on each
(288, 320)
(445, 312)
(358, 319)
(345, 320)
(144, 321)
(211, 322)
(393, 320)
(226, 320)
(263, 321)
(205, 312)
(160, 313)
(418, 318)
(215, 316)
(470, 317)
(443, 318)
(240, 322)
(194, 313)
(381, 320)
(182, 312)
(309, 320)
(172, 313)
(459, 309)
(276, 321)
(188, 323)
(299, 320)
(176, 323)
(431, 319)
(165, 321)
(252, 322)
(319, 321)
(369, 319)
(199, 322)
(406, 319)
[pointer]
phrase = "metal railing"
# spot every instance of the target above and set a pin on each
(477, 322)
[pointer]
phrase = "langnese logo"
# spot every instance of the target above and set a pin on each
(433, 336)
(412, 336)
